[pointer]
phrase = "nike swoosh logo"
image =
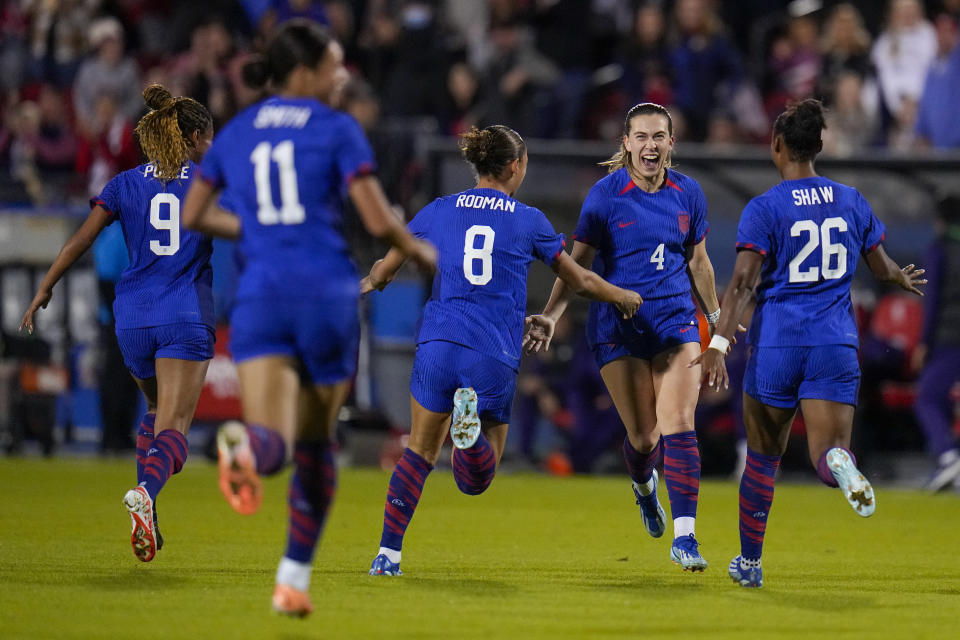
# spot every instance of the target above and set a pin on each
(626, 224)
(685, 330)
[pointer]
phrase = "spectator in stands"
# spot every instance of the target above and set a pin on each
(19, 138)
(902, 54)
(939, 350)
(462, 109)
(108, 71)
(845, 48)
(279, 11)
(58, 38)
(56, 142)
(517, 81)
(13, 46)
(793, 64)
(106, 144)
(851, 125)
(937, 122)
(202, 72)
(706, 69)
(645, 59)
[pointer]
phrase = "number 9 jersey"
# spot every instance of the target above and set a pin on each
(284, 163)
(811, 232)
(169, 279)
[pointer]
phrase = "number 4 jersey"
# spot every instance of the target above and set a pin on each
(284, 164)
(811, 233)
(169, 277)
(485, 242)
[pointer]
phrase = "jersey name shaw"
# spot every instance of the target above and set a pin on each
(472, 201)
(272, 116)
(812, 195)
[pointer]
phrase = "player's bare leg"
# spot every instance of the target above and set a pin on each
(178, 385)
(829, 427)
(677, 389)
(630, 384)
(269, 392)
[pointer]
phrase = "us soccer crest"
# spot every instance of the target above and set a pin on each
(683, 221)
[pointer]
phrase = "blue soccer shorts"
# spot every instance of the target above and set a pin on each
(181, 341)
(782, 376)
(440, 368)
(660, 324)
(322, 334)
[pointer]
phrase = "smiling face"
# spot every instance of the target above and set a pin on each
(649, 144)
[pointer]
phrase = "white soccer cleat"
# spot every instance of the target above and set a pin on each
(465, 425)
(855, 486)
(143, 537)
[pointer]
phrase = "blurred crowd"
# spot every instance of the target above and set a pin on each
(71, 71)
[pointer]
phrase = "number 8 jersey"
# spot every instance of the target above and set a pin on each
(169, 279)
(282, 164)
(485, 242)
(811, 232)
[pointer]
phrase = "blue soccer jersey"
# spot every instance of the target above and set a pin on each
(169, 277)
(811, 232)
(282, 164)
(642, 238)
(485, 242)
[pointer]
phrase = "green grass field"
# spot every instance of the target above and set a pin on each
(536, 557)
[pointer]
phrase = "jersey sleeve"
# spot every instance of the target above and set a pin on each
(109, 198)
(698, 217)
(547, 243)
(421, 223)
(211, 167)
(873, 230)
(753, 232)
(589, 226)
(354, 156)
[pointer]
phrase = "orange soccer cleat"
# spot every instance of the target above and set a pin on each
(291, 602)
(239, 481)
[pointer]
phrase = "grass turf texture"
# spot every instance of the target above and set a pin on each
(535, 557)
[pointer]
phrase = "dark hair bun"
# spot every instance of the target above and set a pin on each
(801, 126)
(157, 97)
(490, 150)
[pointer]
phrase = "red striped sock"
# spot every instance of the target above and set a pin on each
(474, 468)
(403, 494)
(144, 440)
(164, 458)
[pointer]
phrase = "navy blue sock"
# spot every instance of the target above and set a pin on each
(403, 494)
(756, 498)
(474, 468)
(165, 457)
(641, 465)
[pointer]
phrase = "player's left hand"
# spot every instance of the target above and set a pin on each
(714, 371)
(911, 279)
(538, 332)
(40, 301)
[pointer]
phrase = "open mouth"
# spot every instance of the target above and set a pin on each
(650, 162)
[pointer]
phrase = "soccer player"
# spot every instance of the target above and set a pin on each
(798, 248)
(643, 227)
(164, 301)
(283, 163)
(468, 347)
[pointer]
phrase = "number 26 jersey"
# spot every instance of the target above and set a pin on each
(811, 233)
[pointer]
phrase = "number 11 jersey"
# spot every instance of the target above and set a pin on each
(811, 233)
(284, 163)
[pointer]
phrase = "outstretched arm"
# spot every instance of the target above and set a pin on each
(74, 247)
(700, 272)
(886, 270)
(746, 274)
(582, 254)
(378, 218)
(201, 212)
(383, 271)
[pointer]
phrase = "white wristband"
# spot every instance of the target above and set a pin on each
(719, 343)
(713, 318)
